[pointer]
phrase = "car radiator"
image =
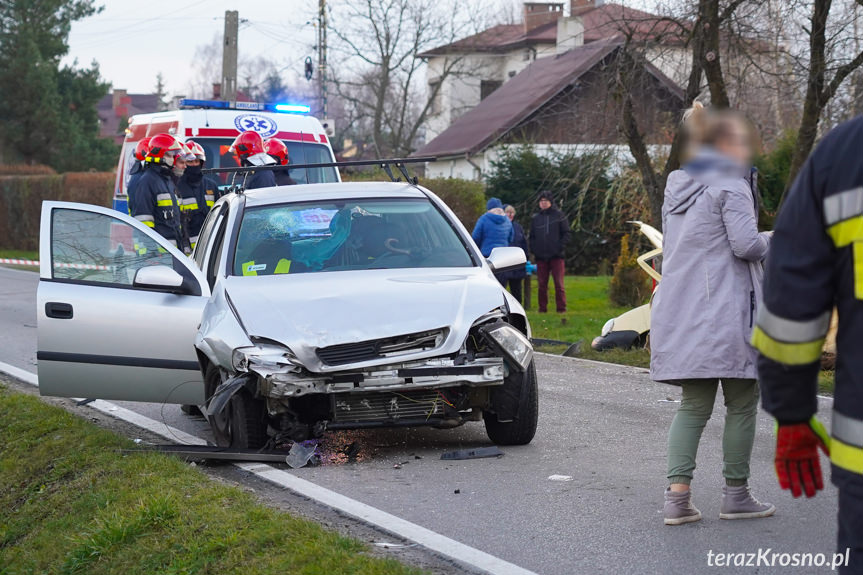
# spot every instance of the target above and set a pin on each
(389, 407)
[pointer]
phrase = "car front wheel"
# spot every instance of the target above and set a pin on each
(516, 409)
(242, 423)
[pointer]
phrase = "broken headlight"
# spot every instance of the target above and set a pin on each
(268, 357)
(510, 342)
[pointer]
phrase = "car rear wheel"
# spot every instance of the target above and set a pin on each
(519, 394)
(242, 424)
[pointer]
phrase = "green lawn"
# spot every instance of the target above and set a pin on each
(588, 309)
(73, 503)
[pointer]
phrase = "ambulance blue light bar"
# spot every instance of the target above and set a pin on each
(248, 106)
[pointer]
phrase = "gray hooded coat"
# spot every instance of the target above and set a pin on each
(704, 308)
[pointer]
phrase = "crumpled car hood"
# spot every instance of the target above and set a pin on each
(307, 311)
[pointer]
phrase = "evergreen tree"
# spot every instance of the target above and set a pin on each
(47, 114)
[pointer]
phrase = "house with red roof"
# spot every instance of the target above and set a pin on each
(549, 82)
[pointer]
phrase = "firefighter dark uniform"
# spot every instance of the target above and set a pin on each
(134, 175)
(816, 263)
(154, 204)
(283, 178)
(260, 179)
(196, 195)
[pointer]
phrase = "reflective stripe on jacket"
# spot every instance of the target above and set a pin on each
(816, 263)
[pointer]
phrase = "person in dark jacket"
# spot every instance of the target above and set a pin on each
(514, 279)
(249, 147)
(195, 192)
(549, 235)
(154, 202)
(493, 230)
(816, 264)
(279, 152)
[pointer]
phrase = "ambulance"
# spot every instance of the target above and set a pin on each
(215, 123)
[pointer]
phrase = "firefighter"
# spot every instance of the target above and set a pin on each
(195, 192)
(816, 263)
(154, 201)
(279, 152)
(249, 147)
(137, 169)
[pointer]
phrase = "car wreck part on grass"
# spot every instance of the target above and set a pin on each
(476, 453)
(211, 452)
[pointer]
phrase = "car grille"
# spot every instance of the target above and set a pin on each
(380, 348)
(386, 407)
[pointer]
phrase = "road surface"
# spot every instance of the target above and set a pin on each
(600, 424)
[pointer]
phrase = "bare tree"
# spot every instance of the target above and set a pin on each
(825, 74)
(380, 76)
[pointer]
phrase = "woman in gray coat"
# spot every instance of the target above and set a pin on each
(704, 308)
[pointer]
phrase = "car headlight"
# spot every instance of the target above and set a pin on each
(269, 357)
(606, 329)
(510, 342)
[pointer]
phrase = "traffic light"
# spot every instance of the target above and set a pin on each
(309, 68)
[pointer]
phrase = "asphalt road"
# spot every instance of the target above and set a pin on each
(603, 425)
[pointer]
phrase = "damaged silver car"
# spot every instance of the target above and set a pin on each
(303, 309)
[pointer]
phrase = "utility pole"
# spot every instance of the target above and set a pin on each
(229, 56)
(322, 56)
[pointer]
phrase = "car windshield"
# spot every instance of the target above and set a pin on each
(346, 235)
(218, 156)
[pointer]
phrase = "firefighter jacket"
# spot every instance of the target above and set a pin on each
(154, 204)
(196, 195)
(815, 264)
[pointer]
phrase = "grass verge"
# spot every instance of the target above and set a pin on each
(72, 503)
(20, 255)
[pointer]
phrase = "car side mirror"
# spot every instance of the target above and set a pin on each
(161, 278)
(506, 259)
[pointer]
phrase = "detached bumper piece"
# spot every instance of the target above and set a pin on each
(440, 407)
(209, 452)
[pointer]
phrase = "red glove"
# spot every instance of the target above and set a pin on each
(797, 462)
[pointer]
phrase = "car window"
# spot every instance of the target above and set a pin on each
(218, 156)
(205, 237)
(94, 247)
(347, 235)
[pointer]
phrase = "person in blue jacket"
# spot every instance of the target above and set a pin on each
(515, 278)
(493, 230)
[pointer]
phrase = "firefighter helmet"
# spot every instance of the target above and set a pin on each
(277, 149)
(141, 149)
(163, 149)
(248, 144)
(197, 150)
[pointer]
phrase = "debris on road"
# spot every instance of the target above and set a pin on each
(300, 454)
(560, 477)
(668, 400)
(388, 545)
(457, 491)
(477, 453)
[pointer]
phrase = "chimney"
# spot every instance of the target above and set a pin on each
(539, 13)
(576, 5)
(570, 34)
(117, 97)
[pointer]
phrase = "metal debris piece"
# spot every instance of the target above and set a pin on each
(560, 477)
(201, 452)
(476, 453)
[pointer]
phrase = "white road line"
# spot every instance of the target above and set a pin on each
(429, 539)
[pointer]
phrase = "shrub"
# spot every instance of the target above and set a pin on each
(630, 286)
(465, 197)
(21, 200)
(26, 170)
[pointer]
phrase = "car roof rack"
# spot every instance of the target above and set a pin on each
(385, 164)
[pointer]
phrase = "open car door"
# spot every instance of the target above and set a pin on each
(118, 309)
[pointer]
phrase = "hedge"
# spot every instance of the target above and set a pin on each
(21, 200)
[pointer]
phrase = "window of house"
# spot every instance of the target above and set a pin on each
(435, 90)
(486, 87)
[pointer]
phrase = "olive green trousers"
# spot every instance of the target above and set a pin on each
(696, 407)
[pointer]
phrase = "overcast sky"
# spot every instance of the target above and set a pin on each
(134, 40)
